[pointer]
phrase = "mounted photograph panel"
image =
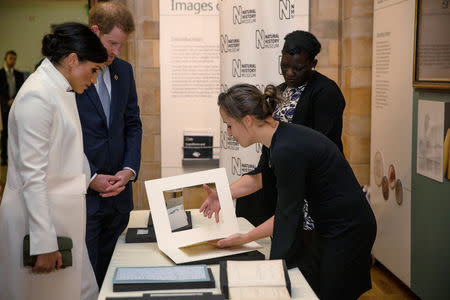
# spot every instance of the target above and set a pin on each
(432, 45)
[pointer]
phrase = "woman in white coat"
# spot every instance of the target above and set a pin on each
(46, 183)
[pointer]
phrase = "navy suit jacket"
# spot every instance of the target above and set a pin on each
(110, 149)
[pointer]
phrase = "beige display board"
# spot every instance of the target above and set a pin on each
(190, 245)
(391, 133)
(432, 45)
(190, 77)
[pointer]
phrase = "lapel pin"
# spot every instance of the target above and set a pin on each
(116, 77)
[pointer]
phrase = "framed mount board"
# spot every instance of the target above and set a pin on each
(432, 45)
(191, 245)
(162, 278)
(267, 279)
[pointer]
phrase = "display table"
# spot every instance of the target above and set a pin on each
(148, 254)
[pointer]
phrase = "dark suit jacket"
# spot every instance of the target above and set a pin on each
(4, 89)
(111, 149)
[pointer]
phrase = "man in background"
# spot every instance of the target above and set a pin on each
(112, 133)
(10, 82)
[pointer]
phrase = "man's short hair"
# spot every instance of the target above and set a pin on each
(12, 52)
(106, 15)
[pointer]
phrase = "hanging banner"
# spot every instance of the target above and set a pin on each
(190, 77)
(251, 38)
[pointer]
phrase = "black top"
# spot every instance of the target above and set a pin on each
(320, 107)
(308, 165)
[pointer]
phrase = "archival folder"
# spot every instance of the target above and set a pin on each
(255, 280)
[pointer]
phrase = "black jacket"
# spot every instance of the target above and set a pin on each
(4, 89)
(320, 107)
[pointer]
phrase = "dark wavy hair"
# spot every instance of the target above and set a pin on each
(246, 99)
(301, 41)
(76, 38)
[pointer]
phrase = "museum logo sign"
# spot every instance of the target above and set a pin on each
(243, 16)
(286, 10)
(229, 44)
(239, 69)
(266, 40)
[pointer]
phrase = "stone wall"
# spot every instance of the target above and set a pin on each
(344, 28)
(356, 41)
(142, 52)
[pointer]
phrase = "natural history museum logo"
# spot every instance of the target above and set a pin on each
(239, 69)
(266, 40)
(238, 167)
(227, 142)
(229, 44)
(243, 16)
(286, 9)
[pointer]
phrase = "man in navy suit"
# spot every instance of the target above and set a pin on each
(10, 82)
(112, 133)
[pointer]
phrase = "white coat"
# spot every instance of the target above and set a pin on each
(45, 191)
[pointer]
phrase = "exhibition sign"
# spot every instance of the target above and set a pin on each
(251, 38)
(391, 133)
(190, 78)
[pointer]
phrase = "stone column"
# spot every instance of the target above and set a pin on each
(344, 28)
(142, 52)
(356, 84)
(325, 24)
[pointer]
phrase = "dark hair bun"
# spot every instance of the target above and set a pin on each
(49, 44)
(270, 91)
(75, 38)
(246, 99)
(271, 96)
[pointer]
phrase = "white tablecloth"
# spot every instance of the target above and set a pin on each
(148, 254)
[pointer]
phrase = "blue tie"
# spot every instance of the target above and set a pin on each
(103, 95)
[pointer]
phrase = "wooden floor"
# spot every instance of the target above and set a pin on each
(385, 286)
